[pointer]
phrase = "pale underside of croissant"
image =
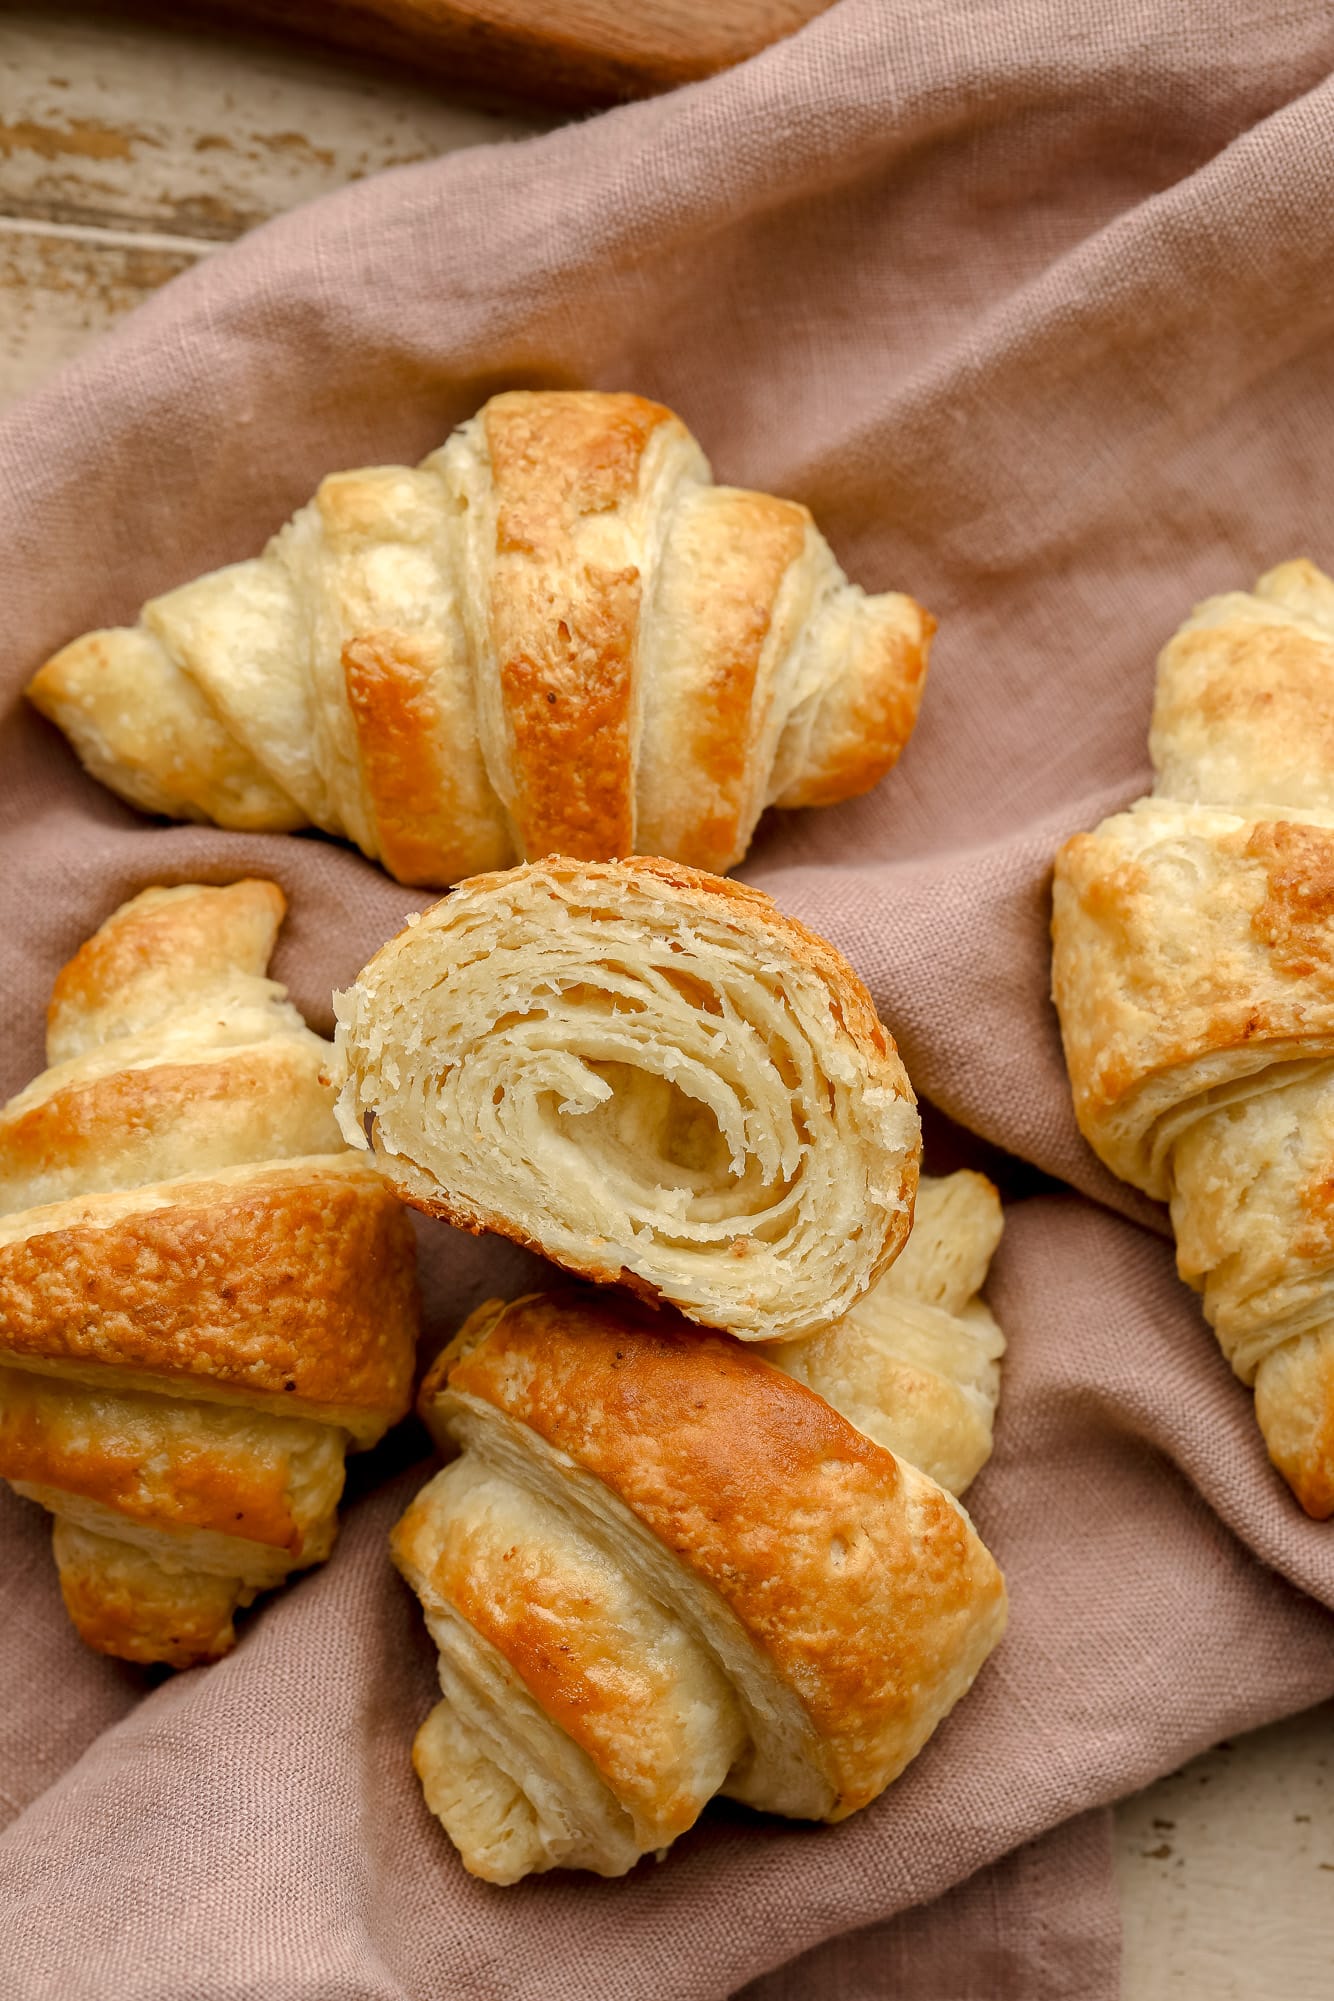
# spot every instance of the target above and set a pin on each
(554, 634)
(1194, 974)
(205, 1299)
(660, 1570)
(649, 1075)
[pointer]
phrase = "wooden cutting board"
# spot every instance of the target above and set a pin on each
(567, 52)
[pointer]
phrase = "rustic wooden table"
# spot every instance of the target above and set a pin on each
(127, 152)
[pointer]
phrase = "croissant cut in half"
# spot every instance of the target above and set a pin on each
(649, 1075)
(205, 1299)
(662, 1569)
(1194, 974)
(555, 634)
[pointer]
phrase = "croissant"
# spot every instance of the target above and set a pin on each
(915, 1363)
(205, 1299)
(662, 1569)
(554, 634)
(1194, 975)
(647, 1074)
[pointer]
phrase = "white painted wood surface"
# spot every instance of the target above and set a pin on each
(127, 152)
(1226, 1872)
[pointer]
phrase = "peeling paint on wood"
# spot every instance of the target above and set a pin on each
(114, 130)
(123, 123)
(60, 290)
(84, 138)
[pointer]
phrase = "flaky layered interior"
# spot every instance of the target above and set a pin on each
(555, 633)
(662, 1569)
(185, 1247)
(1194, 973)
(648, 1076)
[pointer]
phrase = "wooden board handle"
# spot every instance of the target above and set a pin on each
(566, 52)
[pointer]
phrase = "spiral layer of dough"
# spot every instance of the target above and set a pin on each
(647, 1074)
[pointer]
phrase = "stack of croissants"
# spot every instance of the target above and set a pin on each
(698, 1529)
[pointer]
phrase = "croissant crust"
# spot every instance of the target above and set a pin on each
(205, 1299)
(554, 634)
(663, 1569)
(1193, 970)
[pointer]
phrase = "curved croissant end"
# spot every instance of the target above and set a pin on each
(204, 1297)
(915, 1364)
(647, 1074)
(660, 1570)
(554, 634)
(1193, 968)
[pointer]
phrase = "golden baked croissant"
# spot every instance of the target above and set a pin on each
(660, 1570)
(205, 1299)
(649, 1075)
(915, 1363)
(555, 633)
(1194, 974)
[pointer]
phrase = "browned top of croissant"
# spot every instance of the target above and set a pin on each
(1192, 933)
(554, 634)
(857, 1581)
(176, 1207)
(204, 1298)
